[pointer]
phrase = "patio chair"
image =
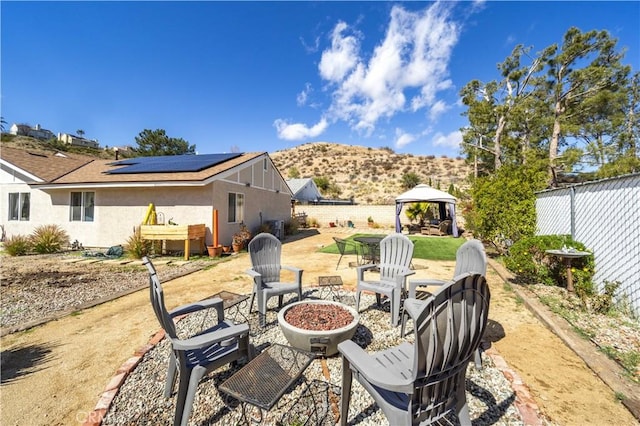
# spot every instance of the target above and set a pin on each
(195, 356)
(423, 382)
(396, 252)
(441, 229)
(346, 247)
(470, 258)
(265, 253)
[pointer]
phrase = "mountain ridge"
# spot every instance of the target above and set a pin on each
(369, 175)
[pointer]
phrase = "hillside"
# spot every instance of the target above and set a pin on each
(34, 145)
(369, 175)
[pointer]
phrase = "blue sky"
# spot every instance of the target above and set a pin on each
(266, 76)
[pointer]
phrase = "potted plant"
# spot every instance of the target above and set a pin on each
(240, 238)
(370, 222)
(214, 251)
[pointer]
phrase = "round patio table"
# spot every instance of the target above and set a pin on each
(372, 243)
(567, 256)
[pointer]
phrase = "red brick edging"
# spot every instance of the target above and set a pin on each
(524, 402)
(95, 417)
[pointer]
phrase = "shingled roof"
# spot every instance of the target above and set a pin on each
(45, 166)
(52, 169)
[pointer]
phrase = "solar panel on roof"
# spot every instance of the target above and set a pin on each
(170, 163)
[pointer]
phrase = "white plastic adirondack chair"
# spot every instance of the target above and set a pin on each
(470, 258)
(197, 355)
(422, 382)
(396, 252)
(265, 252)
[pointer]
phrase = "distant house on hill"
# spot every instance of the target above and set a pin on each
(35, 132)
(77, 140)
(304, 191)
(100, 202)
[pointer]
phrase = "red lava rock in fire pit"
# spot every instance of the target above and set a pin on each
(316, 316)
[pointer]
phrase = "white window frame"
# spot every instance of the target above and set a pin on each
(84, 209)
(235, 206)
(18, 203)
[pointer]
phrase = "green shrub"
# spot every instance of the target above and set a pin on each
(137, 247)
(264, 227)
(528, 260)
(17, 245)
(49, 239)
(291, 227)
(603, 303)
(503, 209)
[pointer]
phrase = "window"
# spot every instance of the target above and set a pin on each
(19, 205)
(82, 205)
(236, 207)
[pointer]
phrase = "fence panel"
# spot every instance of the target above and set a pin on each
(553, 212)
(606, 219)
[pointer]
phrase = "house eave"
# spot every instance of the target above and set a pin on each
(104, 185)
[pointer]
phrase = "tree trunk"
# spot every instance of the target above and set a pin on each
(497, 162)
(553, 145)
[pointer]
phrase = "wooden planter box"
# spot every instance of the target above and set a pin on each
(175, 232)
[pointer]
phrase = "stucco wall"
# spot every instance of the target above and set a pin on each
(119, 211)
(383, 215)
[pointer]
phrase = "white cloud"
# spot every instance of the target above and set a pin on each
(310, 48)
(403, 138)
(404, 72)
(437, 109)
(337, 61)
(303, 96)
(411, 60)
(452, 140)
(478, 4)
(298, 131)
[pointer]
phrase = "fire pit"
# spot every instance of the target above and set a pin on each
(318, 325)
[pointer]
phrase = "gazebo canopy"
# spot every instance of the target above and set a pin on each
(425, 193)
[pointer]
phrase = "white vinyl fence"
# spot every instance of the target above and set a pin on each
(605, 217)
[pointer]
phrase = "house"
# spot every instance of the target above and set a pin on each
(35, 132)
(77, 140)
(304, 191)
(101, 202)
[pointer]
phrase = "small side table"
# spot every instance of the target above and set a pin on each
(264, 380)
(567, 256)
(330, 284)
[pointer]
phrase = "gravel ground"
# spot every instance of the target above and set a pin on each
(37, 288)
(140, 399)
(41, 287)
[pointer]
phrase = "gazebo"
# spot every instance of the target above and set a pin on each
(422, 193)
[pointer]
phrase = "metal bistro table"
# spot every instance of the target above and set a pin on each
(264, 380)
(567, 256)
(372, 247)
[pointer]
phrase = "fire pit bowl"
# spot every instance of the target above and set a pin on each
(323, 313)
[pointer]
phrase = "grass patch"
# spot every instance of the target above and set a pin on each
(443, 248)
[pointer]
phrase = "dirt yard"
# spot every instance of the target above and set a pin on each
(53, 374)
